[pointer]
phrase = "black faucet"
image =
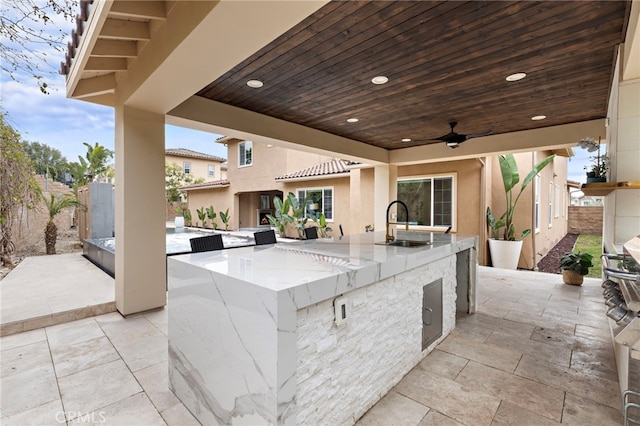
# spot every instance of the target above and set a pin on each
(388, 237)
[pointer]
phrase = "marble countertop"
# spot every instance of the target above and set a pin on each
(316, 270)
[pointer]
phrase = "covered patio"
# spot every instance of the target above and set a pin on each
(303, 78)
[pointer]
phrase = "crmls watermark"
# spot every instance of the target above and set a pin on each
(78, 417)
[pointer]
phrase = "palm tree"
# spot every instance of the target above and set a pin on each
(55, 206)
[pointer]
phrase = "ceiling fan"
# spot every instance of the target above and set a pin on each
(453, 139)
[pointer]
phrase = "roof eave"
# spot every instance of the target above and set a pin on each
(318, 177)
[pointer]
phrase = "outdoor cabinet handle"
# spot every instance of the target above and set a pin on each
(430, 316)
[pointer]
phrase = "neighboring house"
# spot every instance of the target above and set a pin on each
(586, 200)
(250, 186)
(197, 164)
(438, 195)
(578, 198)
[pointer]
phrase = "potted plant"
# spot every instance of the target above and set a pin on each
(282, 217)
(597, 172)
(178, 221)
(187, 217)
(575, 266)
(505, 251)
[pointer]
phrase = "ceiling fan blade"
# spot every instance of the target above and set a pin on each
(480, 134)
(445, 138)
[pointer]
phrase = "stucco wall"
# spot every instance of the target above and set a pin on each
(248, 183)
(220, 199)
(199, 167)
(550, 231)
(341, 201)
(467, 196)
(361, 201)
(585, 220)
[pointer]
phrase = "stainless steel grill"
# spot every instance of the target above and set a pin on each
(622, 297)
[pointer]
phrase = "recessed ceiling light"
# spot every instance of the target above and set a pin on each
(352, 120)
(406, 140)
(538, 117)
(517, 76)
(269, 146)
(380, 79)
(256, 84)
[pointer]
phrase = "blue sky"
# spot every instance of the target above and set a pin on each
(65, 123)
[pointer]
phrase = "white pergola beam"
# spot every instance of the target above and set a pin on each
(204, 114)
(125, 30)
(106, 64)
(139, 9)
(179, 40)
(115, 49)
(95, 86)
(546, 138)
(631, 51)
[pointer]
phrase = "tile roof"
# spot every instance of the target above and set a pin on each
(212, 184)
(330, 168)
(183, 152)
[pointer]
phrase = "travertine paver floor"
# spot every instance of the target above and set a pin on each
(537, 353)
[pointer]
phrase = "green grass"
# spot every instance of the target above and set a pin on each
(591, 244)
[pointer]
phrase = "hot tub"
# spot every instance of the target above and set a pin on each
(101, 251)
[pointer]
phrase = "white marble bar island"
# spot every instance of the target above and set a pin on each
(253, 337)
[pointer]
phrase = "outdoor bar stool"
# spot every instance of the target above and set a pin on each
(311, 233)
(206, 243)
(626, 405)
(265, 237)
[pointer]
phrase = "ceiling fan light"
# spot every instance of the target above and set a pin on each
(452, 144)
(255, 84)
(516, 76)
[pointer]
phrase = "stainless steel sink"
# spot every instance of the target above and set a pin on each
(405, 243)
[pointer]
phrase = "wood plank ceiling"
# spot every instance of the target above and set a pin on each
(445, 60)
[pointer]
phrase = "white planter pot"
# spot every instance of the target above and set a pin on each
(505, 254)
(179, 222)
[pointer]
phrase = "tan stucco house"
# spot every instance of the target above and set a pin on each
(440, 195)
(198, 165)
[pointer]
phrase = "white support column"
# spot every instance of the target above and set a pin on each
(627, 202)
(140, 210)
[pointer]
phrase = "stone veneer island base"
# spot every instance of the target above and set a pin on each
(253, 336)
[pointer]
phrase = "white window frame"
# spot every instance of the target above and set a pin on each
(211, 170)
(536, 207)
(323, 189)
(242, 159)
(454, 197)
(550, 211)
(186, 166)
(558, 202)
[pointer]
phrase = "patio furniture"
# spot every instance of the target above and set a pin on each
(265, 237)
(206, 243)
(311, 233)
